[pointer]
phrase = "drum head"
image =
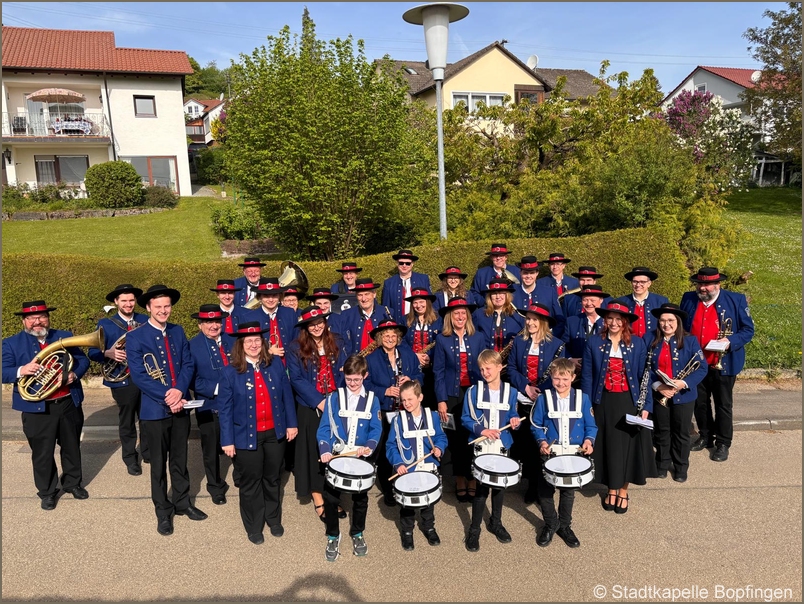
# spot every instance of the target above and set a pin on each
(417, 482)
(351, 466)
(497, 464)
(564, 465)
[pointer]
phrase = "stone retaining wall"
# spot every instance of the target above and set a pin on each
(62, 214)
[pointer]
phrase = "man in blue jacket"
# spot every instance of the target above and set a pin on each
(641, 301)
(499, 267)
(717, 315)
(395, 289)
(58, 416)
(247, 284)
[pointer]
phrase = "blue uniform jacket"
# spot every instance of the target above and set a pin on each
(111, 333)
(567, 282)
(303, 380)
(149, 339)
(433, 329)
(21, 348)
(352, 323)
(401, 451)
(483, 277)
(511, 325)
(735, 307)
(596, 362)
(476, 427)
(546, 428)
(237, 404)
(651, 302)
(575, 335)
(208, 369)
(518, 361)
(346, 298)
(241, 296)
(393, 295)
(368, 430)
(543, 295)
(679, 358)
(573, 306)
(285, 318)
(447, 363)
(238, 315)
(335, 323)
(381, 374)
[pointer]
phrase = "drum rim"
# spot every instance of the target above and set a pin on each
(580, 473)
(418, 493)
(494, 472)
(353, 476)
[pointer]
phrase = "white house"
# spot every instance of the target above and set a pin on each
(121, 104)
(202, 114)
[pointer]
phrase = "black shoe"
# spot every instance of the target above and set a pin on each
(407, 541)
(165, 527)
(461, 495)
(389, 500)
(679, 477)
(277, 530)
(661, 473)
(721, 453)
(148, 461)
(499, 531)
(49, 502)
(609, 507)
(81, 492)
(256, 538)
(219, 499)
(193, 513)
(568, 536)
(341, 513)
(545, 536)
(531, 496)
(135, 469)
(473, 540)
(432, 537)
(701, 443)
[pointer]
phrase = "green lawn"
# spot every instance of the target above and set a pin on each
(772, 217)
(183, 233)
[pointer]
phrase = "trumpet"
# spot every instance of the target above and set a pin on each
(152, 368)
(725, 330)
(691, 367)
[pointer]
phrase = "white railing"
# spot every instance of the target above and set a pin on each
(68, 125)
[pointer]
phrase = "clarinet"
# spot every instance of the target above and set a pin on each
(546, 373)
(398, 399)
(644, 382)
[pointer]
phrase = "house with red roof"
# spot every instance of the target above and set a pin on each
(73, 99)
(200, 114)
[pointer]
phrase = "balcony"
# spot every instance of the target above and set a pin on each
(25, 126)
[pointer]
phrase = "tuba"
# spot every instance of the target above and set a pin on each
(292, 275)
(56, 365)
(511, 277)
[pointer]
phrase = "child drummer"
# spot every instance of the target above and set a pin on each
(350, 423)
(561, 416)
(489, 406)
(416, 432)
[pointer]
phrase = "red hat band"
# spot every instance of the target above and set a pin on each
(225, 286)
(538, 311)
(364, 286)
(252, 263)
(529, 265)
(348, 267)
(210, 315)
(315, 312)
(502, 286)
(715, 277)
(419, 292)
(587, 272)
(618, 307)
(388, 324)
(453, 271)
(255, 329)
(498, 249)
(457, 302)
(28, 309)
(556, 259)
(268, 286)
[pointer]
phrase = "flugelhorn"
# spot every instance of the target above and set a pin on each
(691, 367)
(723, 331)
(153, 369)
(56, 365)
(117, 371)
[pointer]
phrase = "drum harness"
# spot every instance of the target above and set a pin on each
(483, 401)
(349, 444)
(427, 429)
(553, 412)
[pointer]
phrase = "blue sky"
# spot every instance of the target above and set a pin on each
(670, 38)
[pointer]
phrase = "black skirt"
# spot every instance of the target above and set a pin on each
(623, 453)
(308, 472)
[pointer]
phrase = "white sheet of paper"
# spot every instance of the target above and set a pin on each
(450, 423)
(716, 346)
(636, 420)
(194, 404)
(664, 377)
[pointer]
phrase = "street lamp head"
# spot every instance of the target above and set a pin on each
(436, 19)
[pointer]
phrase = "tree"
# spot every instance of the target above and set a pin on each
(319, 139)
(775, 100)
(206, 82)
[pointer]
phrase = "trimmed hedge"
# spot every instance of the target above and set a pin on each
(77, 285)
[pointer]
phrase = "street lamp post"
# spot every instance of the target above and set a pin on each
(436, 19)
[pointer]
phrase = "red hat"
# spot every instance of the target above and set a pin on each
(364, 285)
(310, 314)
(456, 303)
(253, 261)
(498, 249)
(497, 285)
(32, 308)
(387, 324)
(349, 267)
(420, 293)
(269, 285)
(540, 310)
(452, 271)
(226, 285)
(210, 312)
(618, 308)
(557, 257)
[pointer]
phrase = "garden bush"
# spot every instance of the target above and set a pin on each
(210, 166)
(114, 184)
(160, 197)
(238, 222)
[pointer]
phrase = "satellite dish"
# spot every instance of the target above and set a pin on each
(533, 61)
(220, 98)
(755, 76)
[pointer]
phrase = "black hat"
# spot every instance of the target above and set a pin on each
(673, 309)
(125, 288)
(35, 307)
(210, 312)
(321, 293)
(557, 257)
(618, 308)
(588, 272)
(364, 285)
(498, 285)
(293, 291)
(387, 324)
(456, 303)
(528, 263)
(310, 314)
(269, 285)
(498, 249)
(225, 285)
(406, 254)
(420, 293)
(708, 274)
(249, 328)
(641, 270)
(452, 271)
(158, 290)
(252, 261)
(592, 290)
(349, 267)
(540, 310)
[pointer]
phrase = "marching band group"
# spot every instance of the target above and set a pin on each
(512, 377)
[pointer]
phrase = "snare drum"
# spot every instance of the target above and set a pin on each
(496, 471)
(417, 489)
(569, 471)
(351, 474)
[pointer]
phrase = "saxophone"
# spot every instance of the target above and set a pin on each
(369, 349)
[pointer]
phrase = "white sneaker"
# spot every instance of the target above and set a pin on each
(332, 551)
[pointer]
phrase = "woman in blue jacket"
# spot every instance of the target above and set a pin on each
(258, 417)
(424, 325)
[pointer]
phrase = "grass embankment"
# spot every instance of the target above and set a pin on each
(184, 233)
(772, 218)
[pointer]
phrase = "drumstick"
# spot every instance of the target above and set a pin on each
(408, 467)
(349, 454)
(479, 438)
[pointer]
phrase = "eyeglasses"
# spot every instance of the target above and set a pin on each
(353, 380)
(635, 282)
(404, 263)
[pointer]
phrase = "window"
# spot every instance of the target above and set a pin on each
(700, 88)
(534, 94)
(473, 99)
(144, 106)
(68, 169)
(156, 171)
(194, 129)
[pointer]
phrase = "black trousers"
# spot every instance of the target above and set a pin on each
(167, 442)
(260, 482)
(332, 498)
(458, 439)
(60, 423)
(128, 400)
(210, 428)
(479, 505)
(407, 518)
(717, 426)
(671, 435)
(566, 498)
(384, 468)
(525, 449)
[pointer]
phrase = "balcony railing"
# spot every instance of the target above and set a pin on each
(66, 125)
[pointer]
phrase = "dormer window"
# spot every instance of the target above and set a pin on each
(411, 71)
